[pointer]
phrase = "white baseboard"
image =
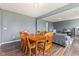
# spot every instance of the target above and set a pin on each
(8, 42)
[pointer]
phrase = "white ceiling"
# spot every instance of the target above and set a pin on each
(66, 15)
(30, 9)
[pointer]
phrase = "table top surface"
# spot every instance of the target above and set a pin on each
(36, 37)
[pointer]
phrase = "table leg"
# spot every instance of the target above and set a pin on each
(36, 49)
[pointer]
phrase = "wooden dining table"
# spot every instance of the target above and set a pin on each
(36, 38)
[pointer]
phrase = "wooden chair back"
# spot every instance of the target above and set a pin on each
(49, 37)
(24, 38)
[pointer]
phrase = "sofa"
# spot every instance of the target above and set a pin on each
(62, 39)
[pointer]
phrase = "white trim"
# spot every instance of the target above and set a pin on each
(8, 42)
(0, 44)
(46, 26)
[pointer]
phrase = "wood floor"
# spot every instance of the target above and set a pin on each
(13, 49)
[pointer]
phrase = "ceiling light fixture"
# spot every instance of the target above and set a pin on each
(36, 4)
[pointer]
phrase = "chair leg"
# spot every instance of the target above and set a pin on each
(21, 46)
(43, 52)
(50, 51)
(29, 52)
(25, 49)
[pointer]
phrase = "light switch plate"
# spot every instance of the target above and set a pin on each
(4, 28)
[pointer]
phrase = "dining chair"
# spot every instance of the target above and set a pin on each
(47, 44)
(23, 40)
(30, 45)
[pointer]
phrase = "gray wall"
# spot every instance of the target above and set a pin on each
(50, 26)
(41, 25)
(15, 23)
(59, 26)
(0, 25)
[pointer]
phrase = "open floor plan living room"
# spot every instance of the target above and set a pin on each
(34, 29)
